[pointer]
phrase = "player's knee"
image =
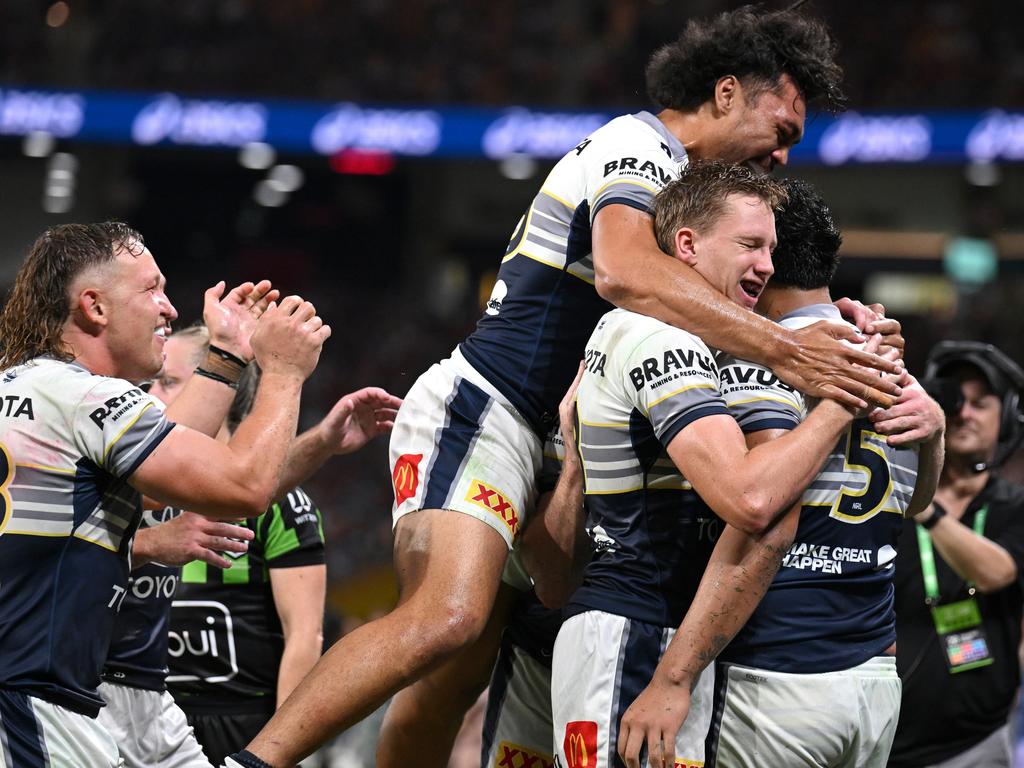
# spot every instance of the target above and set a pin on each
(447, 627)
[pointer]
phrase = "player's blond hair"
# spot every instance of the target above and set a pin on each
(696, 200)
(32, 320)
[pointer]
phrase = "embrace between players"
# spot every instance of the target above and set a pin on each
(672, 437)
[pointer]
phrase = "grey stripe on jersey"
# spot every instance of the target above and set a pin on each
(559, 227)
(536, 239)
(136, 437)
(553, 211)
(681, 405)
(632, 190)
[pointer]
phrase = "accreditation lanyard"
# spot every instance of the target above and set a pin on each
(957, 624)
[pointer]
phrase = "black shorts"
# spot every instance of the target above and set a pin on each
(222, 734)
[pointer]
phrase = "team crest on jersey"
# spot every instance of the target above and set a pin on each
(406, 477)
(514, 756)
(580, 743)
(494, 501)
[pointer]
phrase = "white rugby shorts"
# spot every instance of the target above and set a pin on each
(517, 725)
(150, 730)
(602, 662)
(459, 444)
(845, 719)
(36, 732)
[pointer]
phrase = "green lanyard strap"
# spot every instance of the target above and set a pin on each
(925, 549)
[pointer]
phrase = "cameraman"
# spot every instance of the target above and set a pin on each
(958, 573)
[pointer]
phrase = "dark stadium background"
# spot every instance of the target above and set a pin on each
(398, 263)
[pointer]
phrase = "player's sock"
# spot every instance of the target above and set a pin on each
(245, 759)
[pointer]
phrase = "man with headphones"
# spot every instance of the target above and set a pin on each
(959, 573)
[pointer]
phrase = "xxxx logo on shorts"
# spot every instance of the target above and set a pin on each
(580, 744)
(406, 476)
(688, 764)
(494, 501)
(515, 756)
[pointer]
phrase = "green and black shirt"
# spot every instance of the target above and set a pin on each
(225, 641)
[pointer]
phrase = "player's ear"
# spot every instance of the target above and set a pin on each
(91, 308)
(727, 93)
(685, 245)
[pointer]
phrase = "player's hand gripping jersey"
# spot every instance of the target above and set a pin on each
(69, 442)
(831, 605)
(544, 304)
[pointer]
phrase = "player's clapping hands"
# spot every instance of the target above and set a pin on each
(359, 417)
(231, 319)
(288, 338)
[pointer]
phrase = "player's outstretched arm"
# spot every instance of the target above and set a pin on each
(633, 273)
(238, 479)
(355, 420)
(204, 402)
(189, 537)
(554, 546)
(739, 573)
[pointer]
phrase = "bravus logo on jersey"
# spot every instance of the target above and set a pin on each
(671, 361)
(632, 166)
(737, 375)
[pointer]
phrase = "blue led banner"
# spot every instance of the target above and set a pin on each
(322, 128)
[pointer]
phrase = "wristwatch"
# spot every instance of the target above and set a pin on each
(937, 514)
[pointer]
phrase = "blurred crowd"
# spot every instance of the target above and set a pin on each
(923, 54)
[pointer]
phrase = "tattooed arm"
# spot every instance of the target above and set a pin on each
(739, 573)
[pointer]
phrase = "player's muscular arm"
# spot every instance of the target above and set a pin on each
(736, 579)
(633, 273)
(555, 548)
(749, 488)
(239, 478)
(299, 599)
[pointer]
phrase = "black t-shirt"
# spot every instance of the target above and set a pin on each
(943, 714)
(226, 641)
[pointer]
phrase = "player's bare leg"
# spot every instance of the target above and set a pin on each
(452, 564)
(423, 720)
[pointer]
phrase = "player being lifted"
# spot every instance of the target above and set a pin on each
(467, 442)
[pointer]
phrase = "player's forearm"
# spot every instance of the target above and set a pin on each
(306, 454)
(772, 476)
(202, 405)
(929, 466)
(554, 545)
(647, 281)
(737, 577)
(301, 651)
(262, 441)
(973, 557)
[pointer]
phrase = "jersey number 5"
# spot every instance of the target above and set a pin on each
(865, 456)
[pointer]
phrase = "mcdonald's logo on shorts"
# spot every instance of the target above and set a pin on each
(580, 744)
(406, 476)
(492, 500)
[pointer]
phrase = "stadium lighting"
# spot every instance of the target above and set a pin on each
(518, 167)
(286, 178)
(257, 156)
(983, 173)
(268, 195)
(38, 144)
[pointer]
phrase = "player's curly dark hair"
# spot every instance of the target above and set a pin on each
(697, 198)
(32, 320)
(755, 46)
(807, 254)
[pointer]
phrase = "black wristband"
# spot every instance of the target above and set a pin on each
(937, 514)
(223, 354)
(215, 377)
(249, 760)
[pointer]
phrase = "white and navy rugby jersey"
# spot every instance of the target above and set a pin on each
(831, 605)
(544, 303)
(138, 644)
(644, 382)
(69, 442)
